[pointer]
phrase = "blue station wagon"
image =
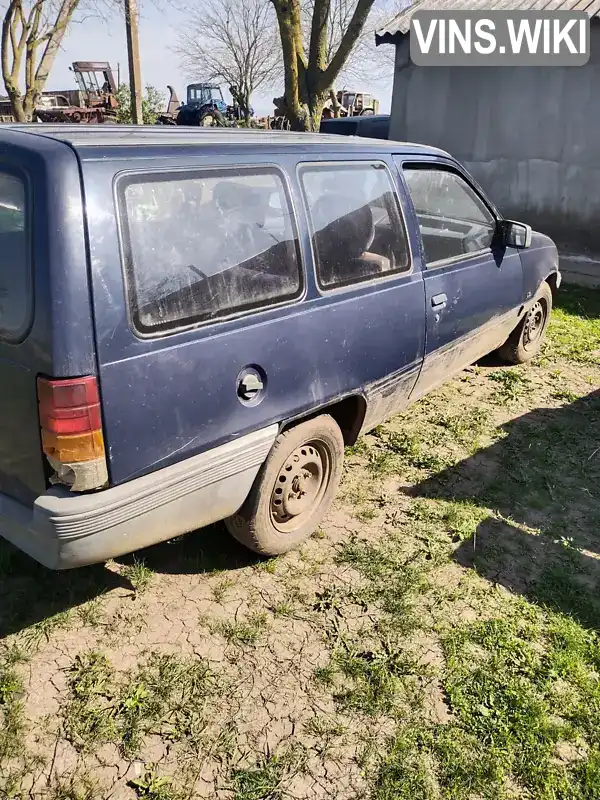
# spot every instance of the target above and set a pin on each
(194, 323)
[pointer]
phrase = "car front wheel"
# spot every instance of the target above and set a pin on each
(526, 341)
(293, 490)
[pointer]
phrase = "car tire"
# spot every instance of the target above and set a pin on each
(526, 341)
(293, 490)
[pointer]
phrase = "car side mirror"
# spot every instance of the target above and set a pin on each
(515, 234)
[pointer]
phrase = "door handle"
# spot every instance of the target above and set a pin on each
(439, 300)
(249, 386)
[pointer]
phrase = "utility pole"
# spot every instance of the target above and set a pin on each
(133, 55)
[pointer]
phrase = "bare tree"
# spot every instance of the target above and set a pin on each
(233, 41)
(313, 59)
(365, 62)
(32, 32)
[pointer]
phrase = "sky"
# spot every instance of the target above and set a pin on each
(94, 39)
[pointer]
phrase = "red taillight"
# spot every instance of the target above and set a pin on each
(71, 426)
(70, 406)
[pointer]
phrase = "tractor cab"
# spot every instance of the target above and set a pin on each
(201, 94)
(96, 83)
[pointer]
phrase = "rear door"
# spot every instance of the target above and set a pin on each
(473, 285)
(21, 475)
(217, 327)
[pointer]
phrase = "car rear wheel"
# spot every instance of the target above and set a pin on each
(526, 341)
(293, 490)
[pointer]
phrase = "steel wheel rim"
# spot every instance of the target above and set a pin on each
(535, 324)
(300, 486)
(208, 121)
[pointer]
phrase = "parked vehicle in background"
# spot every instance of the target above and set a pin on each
(373, 126)
(352, 103)
(98, 90)
(205, 107)
(193, 326)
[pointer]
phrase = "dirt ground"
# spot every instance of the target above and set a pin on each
(437, 638)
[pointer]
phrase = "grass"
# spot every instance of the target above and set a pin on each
(138, 574)
(166, 695)
(575, 327)
(12, 723)
(521, 689)
(153, 786)
(242, 632)
(266, 779)
(510, 384)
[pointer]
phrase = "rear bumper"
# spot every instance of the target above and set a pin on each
(64, 530)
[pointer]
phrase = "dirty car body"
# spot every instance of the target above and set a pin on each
(172, 300)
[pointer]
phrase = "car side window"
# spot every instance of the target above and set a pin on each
(357, 230)
(202, 246)
(453, 219)
(16, 289)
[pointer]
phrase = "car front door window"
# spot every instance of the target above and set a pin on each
(453, 219)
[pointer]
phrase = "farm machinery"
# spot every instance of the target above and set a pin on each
(204, 107)
(96, 94)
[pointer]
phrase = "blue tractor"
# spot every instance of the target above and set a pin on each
(206, 108)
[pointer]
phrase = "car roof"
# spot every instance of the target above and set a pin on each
(82, 137)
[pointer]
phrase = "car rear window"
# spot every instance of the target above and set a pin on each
(16, 296)
(358, 230)
(205, 245)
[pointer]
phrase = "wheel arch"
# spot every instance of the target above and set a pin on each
(348, 412)
(552, 281)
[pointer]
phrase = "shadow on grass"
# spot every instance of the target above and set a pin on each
(32, 595)
(544, 474)
(210, 549)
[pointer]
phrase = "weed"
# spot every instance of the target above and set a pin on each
(92, 613)
(73, 788)
(152, 786)
(33, 637)
(463, 518)
(465, 427)
(366, 514)
(268, 565)
(360, 448)
(566, 395)
(282, 609)
(220, 590)
(138, 574)
(325, 675)
(166, 694)
(376, 676)
(511, 384)
(89, 716)
(12, 723)
(265, 780)
(245, 632)
(391, 578)
(325, 727)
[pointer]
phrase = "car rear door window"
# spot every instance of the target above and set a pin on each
(16, 294)
(453, 219)
(357, 229)
(203, 246)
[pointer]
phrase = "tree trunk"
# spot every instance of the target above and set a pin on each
(334, 103)
(16, 105)
(308, 81)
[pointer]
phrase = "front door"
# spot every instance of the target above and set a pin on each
(473, 284)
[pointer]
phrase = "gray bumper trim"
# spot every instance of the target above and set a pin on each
(65, 530)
